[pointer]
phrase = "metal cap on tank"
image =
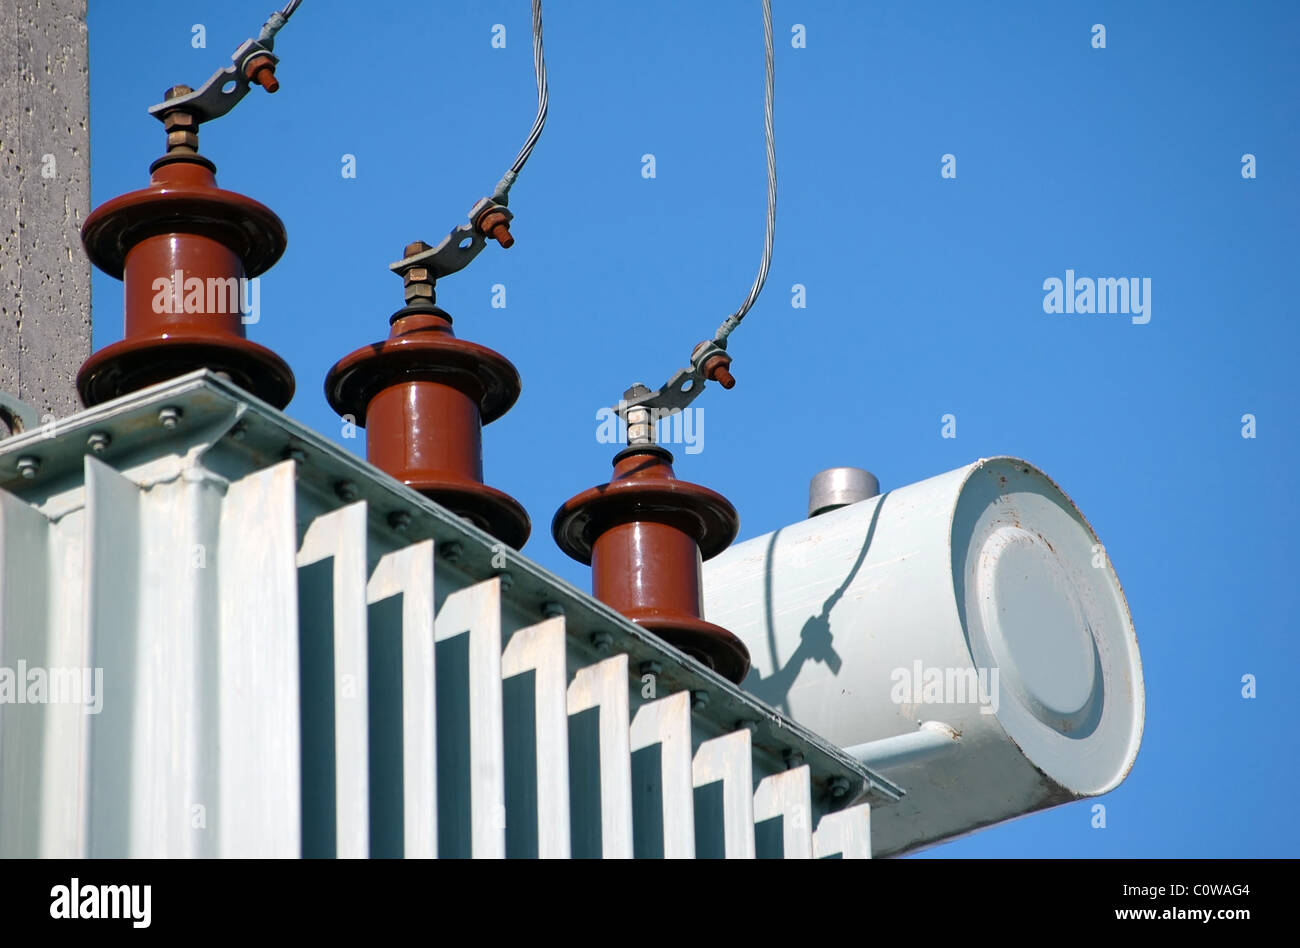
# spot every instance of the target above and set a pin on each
(838, 487)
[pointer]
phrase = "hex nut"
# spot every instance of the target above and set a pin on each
(419, 291)
(182, 139)
(180, 121)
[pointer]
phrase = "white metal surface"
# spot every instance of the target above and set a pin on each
(539, 649)
(408, 573)
(724, 761)
(665, 726)
(602, 807)
(472, 708)
(785, 797)
(286, 673)
(340, 538)
(979, 601)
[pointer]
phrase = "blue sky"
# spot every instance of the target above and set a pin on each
(924, 294)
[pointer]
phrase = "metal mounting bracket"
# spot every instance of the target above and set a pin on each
(227, 86)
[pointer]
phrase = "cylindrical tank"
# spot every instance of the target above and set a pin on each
(979, 599)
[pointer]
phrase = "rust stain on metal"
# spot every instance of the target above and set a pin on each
(261, 70)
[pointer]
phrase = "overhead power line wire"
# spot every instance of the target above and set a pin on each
(732, 321)
(543, 102)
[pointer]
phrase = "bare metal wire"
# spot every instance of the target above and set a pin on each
(732, 321)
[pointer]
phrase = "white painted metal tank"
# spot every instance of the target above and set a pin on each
(966, 635)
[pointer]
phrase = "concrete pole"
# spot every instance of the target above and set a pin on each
(45, 195)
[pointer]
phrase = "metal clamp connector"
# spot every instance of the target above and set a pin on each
(252, 63)
(455, 251)
(709, 363)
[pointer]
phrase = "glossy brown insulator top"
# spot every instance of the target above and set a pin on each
(183, 248)
(423, 397)
(645, 534)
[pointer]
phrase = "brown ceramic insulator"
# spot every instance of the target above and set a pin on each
(183, 222)
(423, 397)
(645, 534)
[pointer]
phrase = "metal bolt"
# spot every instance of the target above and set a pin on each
(839, 787)
(450, 551)
(750, 726)
(28, 466)
(552, 610)
(419, 291)
(347, 491)
(297, 455)
(507, 580)
(170, 416)
(496, 225)
(792, 758)
(399, 520)
(261, 69)
(699, 700)
(182, 139)
(651, 667)
(602, 640)
(98, 441)
(640, 424)
(418, 282)
(181, 121)
(717, 368)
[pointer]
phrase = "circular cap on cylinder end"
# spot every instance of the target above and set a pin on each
(838, 487)
(1043, 611)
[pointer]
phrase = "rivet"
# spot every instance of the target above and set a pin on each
(28, 466)
(98, 441)
(699, 700)
(552, 610)
(239, 431)
(399, 520)
(651, 667)
(170, 416)
(839, 787)
(750, 726)
(602, 640)
(507, 580)
(793, 758)
(450, 551)
(347, 491)
(297, 455)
